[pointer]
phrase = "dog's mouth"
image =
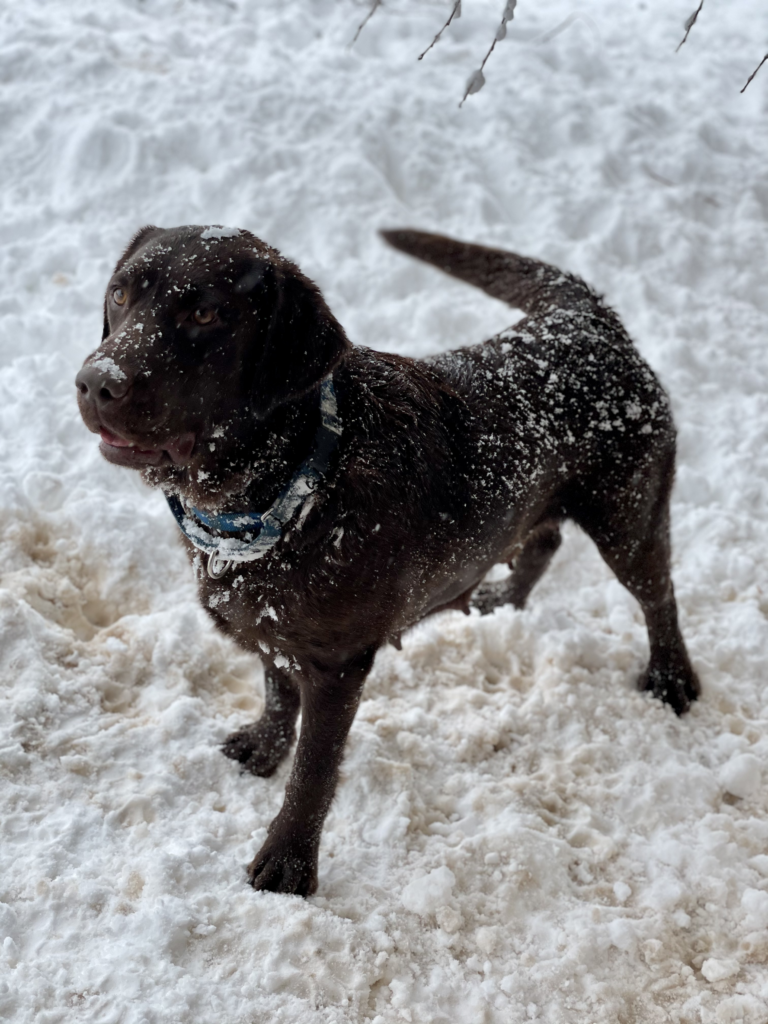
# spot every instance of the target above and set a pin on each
(125, 453)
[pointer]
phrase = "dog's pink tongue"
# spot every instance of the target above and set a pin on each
(116, 442)
(179, 448)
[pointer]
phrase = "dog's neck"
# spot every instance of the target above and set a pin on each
(244, 463)
(247, 535)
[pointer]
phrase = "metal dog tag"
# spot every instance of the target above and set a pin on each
(218, 567)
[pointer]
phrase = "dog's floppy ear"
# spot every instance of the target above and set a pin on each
(304, 339)
(138, 240)
(141, 236)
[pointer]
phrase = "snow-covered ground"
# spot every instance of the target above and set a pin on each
(518, 835)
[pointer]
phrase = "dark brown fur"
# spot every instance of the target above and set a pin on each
(444, 468)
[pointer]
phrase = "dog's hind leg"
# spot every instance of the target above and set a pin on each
(527, 569)
(261, 747)
(631, 530)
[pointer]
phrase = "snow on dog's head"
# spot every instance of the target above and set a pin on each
(217, 231)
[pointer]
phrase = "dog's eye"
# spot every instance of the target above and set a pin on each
(120, 295)
(204, 316)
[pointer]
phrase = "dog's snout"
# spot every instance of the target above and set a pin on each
(102, 384)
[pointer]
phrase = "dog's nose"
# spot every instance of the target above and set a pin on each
(102, 381)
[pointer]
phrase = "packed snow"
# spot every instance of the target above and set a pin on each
(518, 835)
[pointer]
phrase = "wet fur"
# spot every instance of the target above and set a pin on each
(445, 467)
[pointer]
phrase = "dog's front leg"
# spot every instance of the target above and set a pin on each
(261, 746)
(287, 862)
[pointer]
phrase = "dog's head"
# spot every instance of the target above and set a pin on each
(206, 330)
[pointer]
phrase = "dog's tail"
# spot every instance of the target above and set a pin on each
(520, 281)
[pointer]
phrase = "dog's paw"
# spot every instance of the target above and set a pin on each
(259, 747)
(676, 685)
(285, 865)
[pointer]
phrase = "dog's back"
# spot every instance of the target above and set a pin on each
(564, 388)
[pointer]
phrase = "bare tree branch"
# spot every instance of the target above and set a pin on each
(455, 13)
(477, 78)
(765, 58)
(690, 22)
(374, 7)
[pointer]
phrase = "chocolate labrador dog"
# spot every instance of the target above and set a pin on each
(330, 496)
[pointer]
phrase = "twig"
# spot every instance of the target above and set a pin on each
(657, 177)
(374, 7)
(765, 58)
(690, 22)
(455, 13)
(477, 78)
(545, 37)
